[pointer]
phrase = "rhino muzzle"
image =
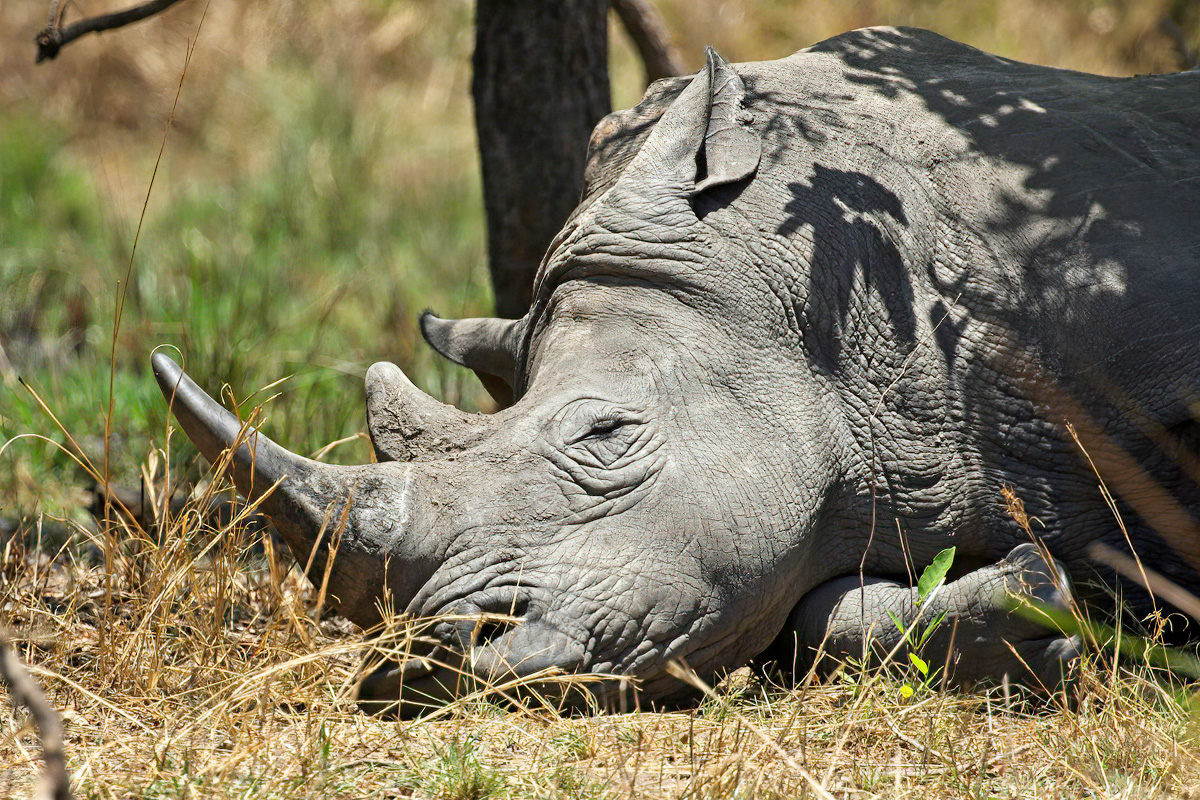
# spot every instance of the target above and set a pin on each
(517, 658)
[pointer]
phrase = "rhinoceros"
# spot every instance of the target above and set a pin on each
(815, 321)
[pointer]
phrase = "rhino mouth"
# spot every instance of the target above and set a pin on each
(523, 646)
(475, 652)
(419, 685)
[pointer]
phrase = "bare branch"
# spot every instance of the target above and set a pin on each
(55, 783)
(1187, 54)
(54, 37)
(649, 33)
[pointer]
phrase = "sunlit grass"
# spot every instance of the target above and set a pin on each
(198, 667)
(312, 263)
(319, 190)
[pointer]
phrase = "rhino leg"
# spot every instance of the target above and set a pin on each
(981, 639)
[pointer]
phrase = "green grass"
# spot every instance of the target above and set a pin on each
(318, 191)
(312, 267)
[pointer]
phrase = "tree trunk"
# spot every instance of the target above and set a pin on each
(540, 85)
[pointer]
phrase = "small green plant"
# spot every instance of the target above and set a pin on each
(456, 774)
(916, 634)
(572, 745)
(568, 783)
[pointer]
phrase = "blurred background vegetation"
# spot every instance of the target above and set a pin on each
(319, 187)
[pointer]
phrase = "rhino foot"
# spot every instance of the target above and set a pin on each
(988, 631)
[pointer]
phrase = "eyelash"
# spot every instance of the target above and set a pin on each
(604, 428)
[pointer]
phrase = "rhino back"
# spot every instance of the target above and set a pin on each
(1045, 225)
(974, 250)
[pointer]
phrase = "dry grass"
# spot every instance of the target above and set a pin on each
(193, 660)
(197, 665)
(188, 665)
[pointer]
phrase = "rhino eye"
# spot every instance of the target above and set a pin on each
(598, 424)
(603, 451)
(602, 429)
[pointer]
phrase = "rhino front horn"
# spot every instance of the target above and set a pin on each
(307, 494)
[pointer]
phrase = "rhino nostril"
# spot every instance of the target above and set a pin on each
(490, 618)
(489, 630)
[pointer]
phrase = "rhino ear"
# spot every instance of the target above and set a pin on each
(487, 345)
(731, 149)
(703, 139)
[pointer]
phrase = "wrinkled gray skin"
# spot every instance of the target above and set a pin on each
(810, 317)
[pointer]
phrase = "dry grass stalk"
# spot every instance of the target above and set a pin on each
(218, 677)
(191, 667)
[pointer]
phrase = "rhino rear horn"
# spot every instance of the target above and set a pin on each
(405, 422)
(703, 140)
(487, 345)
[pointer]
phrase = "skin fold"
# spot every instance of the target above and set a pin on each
(809, 319)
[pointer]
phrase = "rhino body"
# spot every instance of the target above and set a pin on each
(810, 319)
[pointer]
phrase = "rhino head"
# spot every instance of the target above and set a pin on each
(647, 497)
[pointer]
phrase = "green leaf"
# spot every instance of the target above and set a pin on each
(920, 663)
(930, 628)
(935, 574)
(906, 691)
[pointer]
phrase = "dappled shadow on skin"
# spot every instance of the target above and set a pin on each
(1076, 156)
(1060, 213)
(1060, 167)
(841, 207)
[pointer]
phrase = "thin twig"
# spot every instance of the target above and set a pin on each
(55, 783)
(54, 36)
